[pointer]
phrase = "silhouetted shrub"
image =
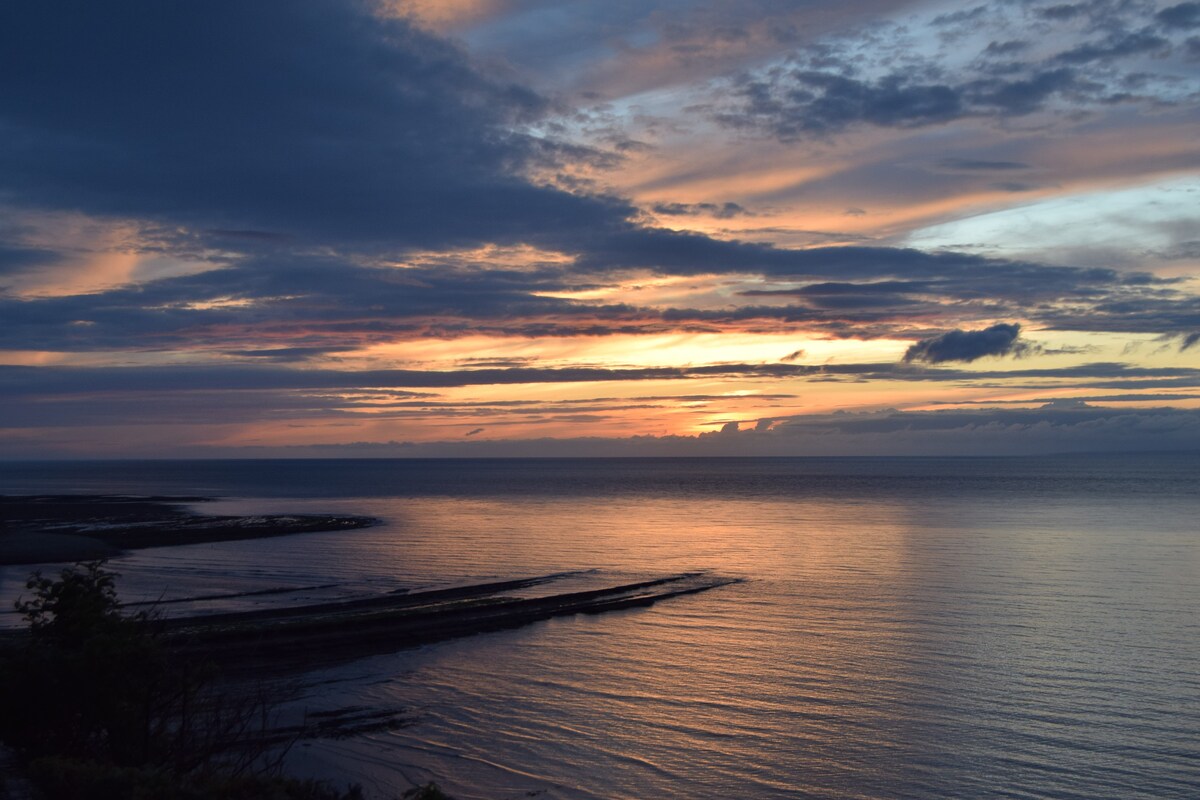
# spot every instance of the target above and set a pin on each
(87, 682)
(98, 708)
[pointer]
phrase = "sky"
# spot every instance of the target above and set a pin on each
(535, 228)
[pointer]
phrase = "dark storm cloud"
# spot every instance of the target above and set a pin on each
(310, 118)
(957, 345)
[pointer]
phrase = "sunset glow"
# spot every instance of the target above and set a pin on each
(497, 228)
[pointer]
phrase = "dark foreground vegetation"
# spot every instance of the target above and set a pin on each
(98, 705)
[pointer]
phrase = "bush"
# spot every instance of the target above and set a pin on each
(88, 682)
(99, 709)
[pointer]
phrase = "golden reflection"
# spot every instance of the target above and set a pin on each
(850, 568)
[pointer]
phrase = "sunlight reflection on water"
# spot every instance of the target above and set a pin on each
(890, 642)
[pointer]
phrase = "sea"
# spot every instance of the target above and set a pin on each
(904, 628)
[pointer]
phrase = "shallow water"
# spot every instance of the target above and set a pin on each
(909, 627)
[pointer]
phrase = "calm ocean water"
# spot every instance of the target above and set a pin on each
(1005, 627)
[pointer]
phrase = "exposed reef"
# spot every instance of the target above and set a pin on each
(307, 637)
(298, 638)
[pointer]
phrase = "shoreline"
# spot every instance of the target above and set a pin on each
(62, 528)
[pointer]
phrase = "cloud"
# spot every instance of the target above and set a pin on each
(1006, 48)
(1116, 45)
(957, 345)
(168, 410)
(980, 165)
(1063, 11)
(38, 383)
(800, 103)
(854, 81)
(718, 210)
(1184, 15)
(18, 259)
(1070, 428)
(346, 181)
(293, 307)
(234, 161)
(1081, 401)
(311, 119)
